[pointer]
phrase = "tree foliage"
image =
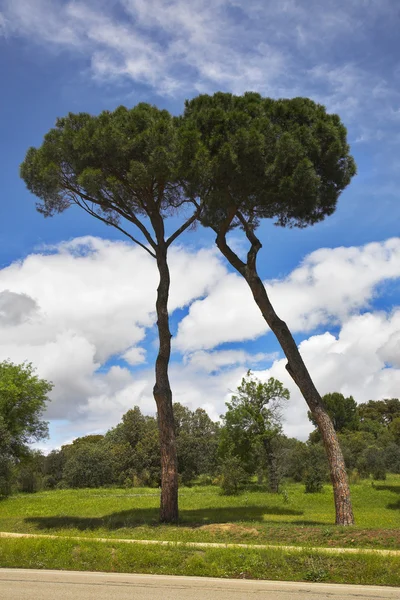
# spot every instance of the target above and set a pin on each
(23, 399)
(230, 453)
(197, 442)
(342, 411)
(89, 465)
(383, 412)
(282, 159)
(253, 423)
(119, 164)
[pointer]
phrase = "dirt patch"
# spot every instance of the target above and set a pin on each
(230, 528)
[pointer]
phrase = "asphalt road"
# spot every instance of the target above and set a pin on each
(21, 584)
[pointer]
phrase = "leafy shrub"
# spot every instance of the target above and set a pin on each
(28, 481)
(354, 476)
(233, 476)
(205, 480)
(88, 466)
(316, 470)
(314, 481)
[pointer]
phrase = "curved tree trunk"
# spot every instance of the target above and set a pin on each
(163, 397)
(299, 373)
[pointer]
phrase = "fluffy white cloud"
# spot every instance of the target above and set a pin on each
(227, 314)
(329, 285)
(217, 360)
(135, 356)
(70, 310)
(15, 308)
(361, 361)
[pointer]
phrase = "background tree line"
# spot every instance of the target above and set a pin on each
(248, 442)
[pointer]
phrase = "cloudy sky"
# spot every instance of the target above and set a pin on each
(77, 300)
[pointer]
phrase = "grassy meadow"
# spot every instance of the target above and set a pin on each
(253, 517)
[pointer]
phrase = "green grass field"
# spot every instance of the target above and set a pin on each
(253, 517)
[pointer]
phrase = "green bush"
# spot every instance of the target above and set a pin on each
(314, 482)
(205, 480)
(88, 466)
(233, 476)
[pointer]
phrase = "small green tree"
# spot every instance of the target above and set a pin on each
(23, 399)
(53, 468)
(372, 462)
(394, 430)
(232, 475)
(6, 460)
(253, 423)
(315, 469)
(197, 442)
(135, 449)
(30, 472)
(88, 465)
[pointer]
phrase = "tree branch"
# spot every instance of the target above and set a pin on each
(104, 220)
(182, 228)
(128, 216)
(255, 244)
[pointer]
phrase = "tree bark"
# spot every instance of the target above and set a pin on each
(297, 370)
(163, 397)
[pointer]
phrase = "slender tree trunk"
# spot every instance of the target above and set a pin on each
(299, 373)
(273, 475)
(163, 397)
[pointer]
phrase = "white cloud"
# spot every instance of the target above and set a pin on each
(135, 356)
(15, 308)
(227, 314)
(353, 363)
(90, 299)
(217, 360)
(326, 288)
(71, 310)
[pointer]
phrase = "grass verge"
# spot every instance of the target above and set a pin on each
(274, 564)
(253, 517)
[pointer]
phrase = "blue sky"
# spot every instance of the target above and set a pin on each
(63, 56)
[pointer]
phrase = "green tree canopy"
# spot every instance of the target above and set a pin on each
(342, 411)
(88, 465)
(134, 445)
(117, 165)
(379, 411)
(197, 442)
(23, 399)
(264, 158)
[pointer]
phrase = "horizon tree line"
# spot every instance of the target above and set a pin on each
(247, 442)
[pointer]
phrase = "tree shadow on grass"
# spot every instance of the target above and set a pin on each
(391, 488)
(149, 516)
